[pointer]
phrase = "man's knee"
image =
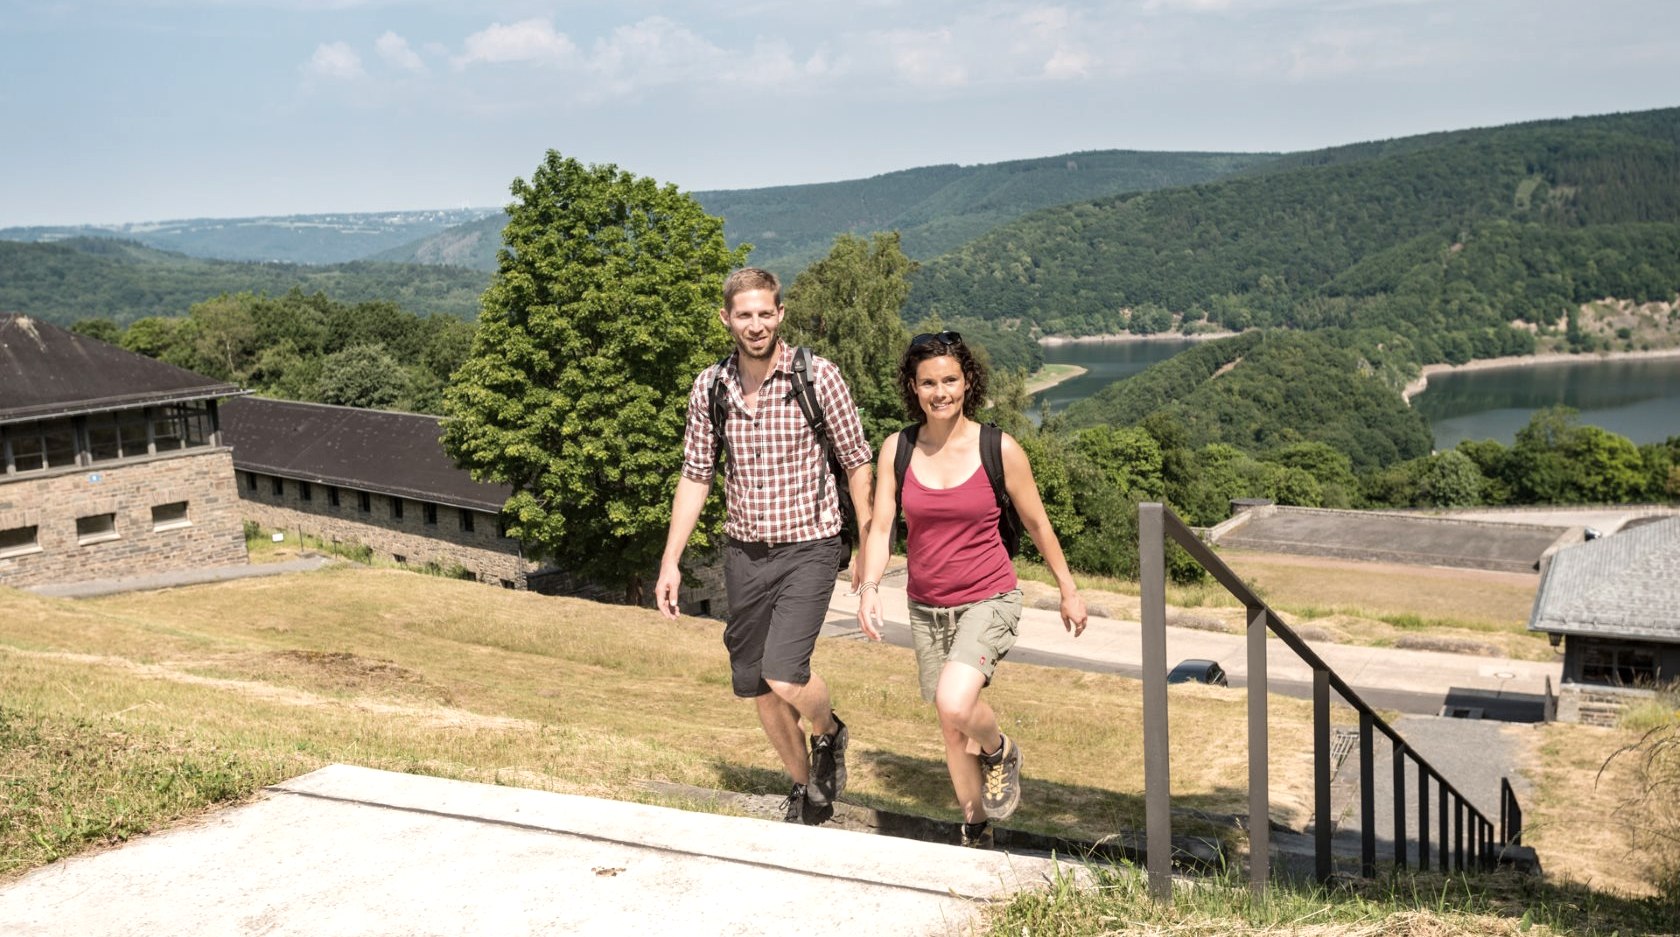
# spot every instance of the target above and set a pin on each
(785, 689)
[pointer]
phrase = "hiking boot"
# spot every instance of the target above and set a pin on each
(1000, 771)
(977, 835)
(828, 765)
(797, 808)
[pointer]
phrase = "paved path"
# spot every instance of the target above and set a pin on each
(1411, 681)
(348, 850)
(180, 577)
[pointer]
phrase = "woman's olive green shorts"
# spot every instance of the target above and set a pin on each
(978, 634)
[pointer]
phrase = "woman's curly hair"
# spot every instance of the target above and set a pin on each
(974, 375)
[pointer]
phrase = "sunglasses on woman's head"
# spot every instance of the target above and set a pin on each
(943, 338)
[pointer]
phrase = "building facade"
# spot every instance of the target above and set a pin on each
(111, 464)
(373, 479)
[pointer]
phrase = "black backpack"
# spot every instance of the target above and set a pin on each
(803, 393)
(991, 459)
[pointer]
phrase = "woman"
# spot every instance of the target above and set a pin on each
(965, 604)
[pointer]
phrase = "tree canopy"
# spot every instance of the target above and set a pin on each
(602, 310)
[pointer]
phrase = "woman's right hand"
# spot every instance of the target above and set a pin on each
(869, 613)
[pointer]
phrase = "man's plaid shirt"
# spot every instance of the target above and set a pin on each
(770, 490)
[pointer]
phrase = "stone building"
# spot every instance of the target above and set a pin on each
(1614, 604)
(111, 463)
(370, 478)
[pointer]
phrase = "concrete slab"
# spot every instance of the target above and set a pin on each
(348, 850)
(1398, 538)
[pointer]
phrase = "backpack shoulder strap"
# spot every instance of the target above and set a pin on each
(991, 459)
(804, 393)
(901, 458)
(717, 407)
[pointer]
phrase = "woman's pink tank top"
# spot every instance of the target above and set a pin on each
(954, 551)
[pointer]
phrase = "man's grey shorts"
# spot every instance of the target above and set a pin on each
(778, 599)
(978, 634)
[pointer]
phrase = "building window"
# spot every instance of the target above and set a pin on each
(467, 520)
(429, 511)
(501, 527)
(131, 433)
(170, 516)
(43, 445)
(1625, 665)
(365, 502)
(104, 443)
(305, 493)
(96, 528)
(277, 485)
(19, 541)
(396, 508)
(332, 496)
(250, 481)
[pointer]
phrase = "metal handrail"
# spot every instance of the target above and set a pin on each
(1465, 834)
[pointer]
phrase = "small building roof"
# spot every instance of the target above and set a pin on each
(372, 450)
(1626, 585)
(47, 371)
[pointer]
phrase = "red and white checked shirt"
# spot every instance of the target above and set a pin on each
(770, 491)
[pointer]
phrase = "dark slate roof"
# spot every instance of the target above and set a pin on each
(1626, 585)
(46, 371)
(372, 450)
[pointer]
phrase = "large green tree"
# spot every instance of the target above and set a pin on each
(603, 308)
(847, 307)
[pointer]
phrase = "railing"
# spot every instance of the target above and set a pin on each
(1465, 836)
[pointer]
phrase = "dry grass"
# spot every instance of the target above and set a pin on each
(391, 670)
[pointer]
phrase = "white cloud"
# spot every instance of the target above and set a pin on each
(655, 51)
(395, 50)
(335, 60)
(925, 57)
(532, 40)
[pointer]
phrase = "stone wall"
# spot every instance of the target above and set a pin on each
(1592, 704)
(209, 534)
(409, 539)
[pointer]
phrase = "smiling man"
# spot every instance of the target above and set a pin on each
(781, 526)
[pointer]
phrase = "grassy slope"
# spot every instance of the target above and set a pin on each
(119, 716)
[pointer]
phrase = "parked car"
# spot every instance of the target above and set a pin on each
(1196, 670)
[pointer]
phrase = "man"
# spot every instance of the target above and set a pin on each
(782, 531)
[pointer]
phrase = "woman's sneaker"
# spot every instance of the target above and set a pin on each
(828, 765)
(1000, 791)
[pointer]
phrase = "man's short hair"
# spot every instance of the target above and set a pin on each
(750, 278)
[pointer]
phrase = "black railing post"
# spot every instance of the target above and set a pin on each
(1259, 784)
(1443, 824)
(1367, 795)
(1399, 804)
(1423, 818)
(1324, 863)
(1157, 778)
(1458, 832)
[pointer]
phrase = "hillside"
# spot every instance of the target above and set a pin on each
(1263, 390)
(1590, 203)
(303, 239)
(123, 281)
(936, 208)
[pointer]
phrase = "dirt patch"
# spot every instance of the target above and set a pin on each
(349, 673)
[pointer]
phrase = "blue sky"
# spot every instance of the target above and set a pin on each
(133, 110)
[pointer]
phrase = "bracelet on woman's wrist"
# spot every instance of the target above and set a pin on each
(869, 585)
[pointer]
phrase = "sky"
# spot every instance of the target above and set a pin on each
(139, 110)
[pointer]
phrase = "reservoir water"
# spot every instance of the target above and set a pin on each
(1104, 363)
(1638, 398)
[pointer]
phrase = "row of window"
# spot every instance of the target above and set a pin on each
(91, 529)
(465, 519)
(104, 437)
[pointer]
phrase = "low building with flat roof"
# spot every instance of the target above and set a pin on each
(111, 463)
(371, 478)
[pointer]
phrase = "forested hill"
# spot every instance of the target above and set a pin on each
(935, 208)
(85, 278)
(1387, 235)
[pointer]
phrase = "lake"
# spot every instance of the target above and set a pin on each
(1639, 399)
(1105, 363)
